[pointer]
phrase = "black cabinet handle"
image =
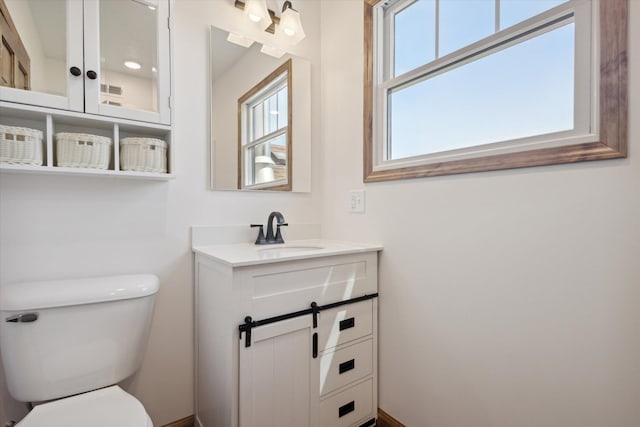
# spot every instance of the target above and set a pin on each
(346, 366)
(315, 345)
(347, 323)
(75, 71)
(345, 409)
(92, 74)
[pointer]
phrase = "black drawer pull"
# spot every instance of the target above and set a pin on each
(347, 323)
(345, 409)
(346, 366)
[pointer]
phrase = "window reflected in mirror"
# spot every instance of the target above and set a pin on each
(34, 48)
(265, 138)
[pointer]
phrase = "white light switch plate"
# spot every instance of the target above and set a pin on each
(356, 201)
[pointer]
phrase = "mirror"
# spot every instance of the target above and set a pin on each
(34, 48)
(129, 54)
(43, 39)
(260, 118)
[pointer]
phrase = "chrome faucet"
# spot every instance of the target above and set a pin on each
(270, 238)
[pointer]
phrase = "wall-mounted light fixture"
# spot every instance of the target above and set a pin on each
(256, 11)
(290, 28)
(239, 40)
(287, 28)
(272, 51)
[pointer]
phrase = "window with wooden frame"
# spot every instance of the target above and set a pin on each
(264, 133)
(455, 86)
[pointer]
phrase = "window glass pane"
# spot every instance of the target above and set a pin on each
(515, 11)
(414, 38)
(463, 22)
(267, 161)
(273, 112)
(521, 91)
(257, 125)
(283, 113)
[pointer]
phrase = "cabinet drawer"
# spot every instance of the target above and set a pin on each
(349, 407)
(349, 364)
(345, 323)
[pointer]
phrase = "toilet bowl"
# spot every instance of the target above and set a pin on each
(69, 342)
(107, 407)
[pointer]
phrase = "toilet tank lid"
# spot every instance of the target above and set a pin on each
(61, 293)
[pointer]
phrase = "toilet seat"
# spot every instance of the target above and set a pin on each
(106, 407)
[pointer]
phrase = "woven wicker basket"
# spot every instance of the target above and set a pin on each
(20, 145)
(143, 155)
(82, 150)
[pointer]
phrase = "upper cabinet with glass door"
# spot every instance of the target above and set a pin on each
(105, 57)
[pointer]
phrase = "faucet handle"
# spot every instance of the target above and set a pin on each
(261, 240)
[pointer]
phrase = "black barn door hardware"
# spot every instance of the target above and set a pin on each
(315, 310)
(249, 323)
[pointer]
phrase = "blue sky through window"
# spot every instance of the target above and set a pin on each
(521, 91)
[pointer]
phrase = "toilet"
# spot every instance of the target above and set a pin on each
(68, 343)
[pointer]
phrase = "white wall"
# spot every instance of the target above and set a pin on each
(506, 298)
(56, 226)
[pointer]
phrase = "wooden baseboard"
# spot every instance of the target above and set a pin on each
(184, 422)
(386, 420)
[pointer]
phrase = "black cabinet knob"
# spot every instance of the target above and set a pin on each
(92, 74)
(75, 71)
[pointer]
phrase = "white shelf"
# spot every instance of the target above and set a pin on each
(55, 170)
(51, 121)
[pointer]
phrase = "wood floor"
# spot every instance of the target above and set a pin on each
(184, 422)
(386, 420)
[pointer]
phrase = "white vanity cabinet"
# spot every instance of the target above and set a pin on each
(66, 72)
(289, 341)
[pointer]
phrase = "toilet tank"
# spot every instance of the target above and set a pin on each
(63, 337)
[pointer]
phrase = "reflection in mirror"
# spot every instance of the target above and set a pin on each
(264, 143)
(129, 54)
(260, 119)
(34, 45)
(39, 37)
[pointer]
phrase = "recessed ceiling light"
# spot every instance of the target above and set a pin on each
(133, 65)
(154, 69)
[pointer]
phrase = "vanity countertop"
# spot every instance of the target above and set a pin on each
(246, 254)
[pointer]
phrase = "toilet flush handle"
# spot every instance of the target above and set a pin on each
(23, 318)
